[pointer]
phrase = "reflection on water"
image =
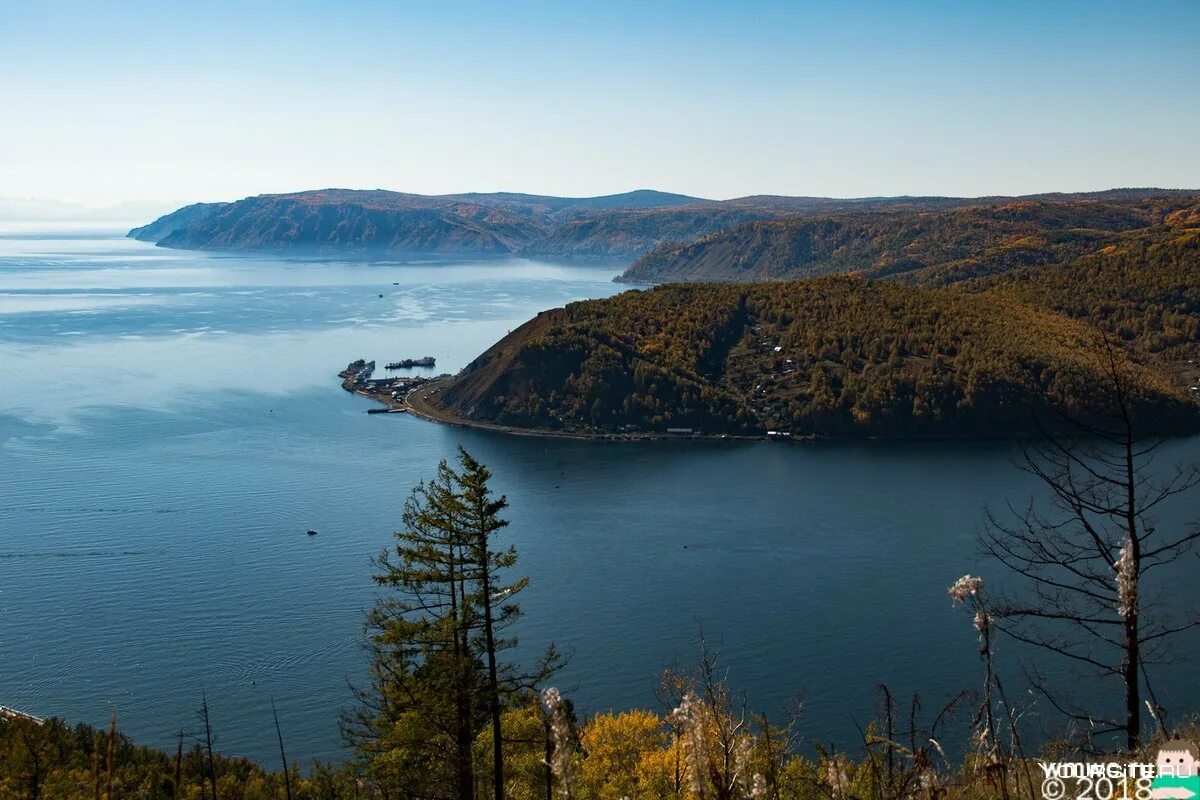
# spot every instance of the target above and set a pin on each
(160, 461)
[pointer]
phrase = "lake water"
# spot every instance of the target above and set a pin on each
(171, 423)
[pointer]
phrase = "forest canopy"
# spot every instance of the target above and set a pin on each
(944, 352)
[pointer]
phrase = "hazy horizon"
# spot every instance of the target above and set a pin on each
(54, 208)
(179, 104)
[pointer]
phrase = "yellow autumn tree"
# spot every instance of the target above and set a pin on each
(617, 745)
(526, 771)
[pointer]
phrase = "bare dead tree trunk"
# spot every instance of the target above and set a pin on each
(287, 777)
(1084, 554)
(1133, 705)
(1129, 675)
(208, 745)
(463, 734)
(493, 691)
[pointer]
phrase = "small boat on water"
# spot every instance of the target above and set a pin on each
(312, 532)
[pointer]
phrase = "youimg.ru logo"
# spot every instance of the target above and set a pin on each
(1173, 776)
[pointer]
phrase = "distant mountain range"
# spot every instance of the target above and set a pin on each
(623, 225)
(619, 227)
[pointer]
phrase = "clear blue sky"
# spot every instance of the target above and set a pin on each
(113, 101)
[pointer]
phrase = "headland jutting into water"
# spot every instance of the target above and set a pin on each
(418, 395)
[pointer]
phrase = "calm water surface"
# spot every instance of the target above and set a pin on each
(171, 424)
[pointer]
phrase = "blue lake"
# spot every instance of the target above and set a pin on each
(171, 424)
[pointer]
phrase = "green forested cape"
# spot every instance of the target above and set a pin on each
(979, 352)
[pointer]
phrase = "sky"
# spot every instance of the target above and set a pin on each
(103, 103)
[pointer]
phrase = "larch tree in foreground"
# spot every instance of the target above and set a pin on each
(437, 679)
(481, 523)
(1084, 554)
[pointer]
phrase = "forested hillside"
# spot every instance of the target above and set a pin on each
(1145, 290)
(960, 242)
(625, 234)
(997, 355)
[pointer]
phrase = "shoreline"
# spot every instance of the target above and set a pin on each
(419, 403)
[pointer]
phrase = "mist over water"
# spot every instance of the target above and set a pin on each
(171, 423)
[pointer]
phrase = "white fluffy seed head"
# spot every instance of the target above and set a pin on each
(1127, 582)
(965, 587)
(562, 758)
